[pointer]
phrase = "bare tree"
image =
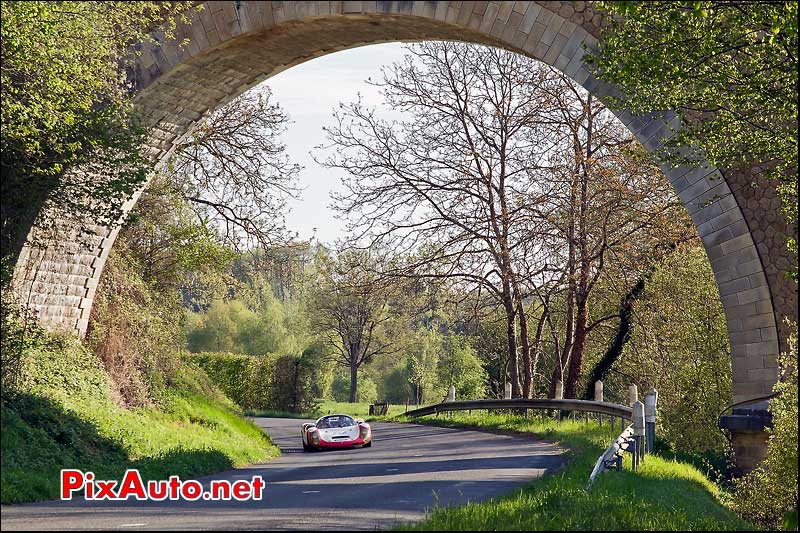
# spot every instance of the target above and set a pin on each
(505, 175)
(607, 203)
(451, 184)
(234, 171)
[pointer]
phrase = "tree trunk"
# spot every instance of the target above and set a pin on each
(513, 363)
(353, 383)
(563, 357)
(536, 348)
(622, 337)
(578, 347)
(526, 349)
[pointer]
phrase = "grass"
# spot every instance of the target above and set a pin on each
(662, 495)
(64, 417)
(358, 410)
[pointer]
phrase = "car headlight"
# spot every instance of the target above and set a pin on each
(315, 437)
(364, 432)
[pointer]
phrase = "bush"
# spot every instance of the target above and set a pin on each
(262, 382)
(291, 385)
(768, 495)
(62, 415)
(135, 330)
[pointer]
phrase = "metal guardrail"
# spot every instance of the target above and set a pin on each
(588, 406)
(638, 437)
(612, 456)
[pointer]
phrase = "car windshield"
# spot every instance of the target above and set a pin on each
(336, 421)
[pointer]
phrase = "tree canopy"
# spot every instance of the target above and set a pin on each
(729, 68)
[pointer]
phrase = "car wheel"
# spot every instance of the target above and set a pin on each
(306, 448)
(367, 445)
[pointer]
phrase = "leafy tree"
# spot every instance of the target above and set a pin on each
(65, 105)
(340, 388)
(729, 68)
(421, 366)
(679, 345)
(460, 367)
(395, 386)
(349, 310)
(490, 344)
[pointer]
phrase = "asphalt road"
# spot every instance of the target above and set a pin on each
(408, 470)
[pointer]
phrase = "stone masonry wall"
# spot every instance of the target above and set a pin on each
(234, 45)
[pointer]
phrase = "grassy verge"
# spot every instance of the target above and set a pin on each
(662, 495)
(63, 416)
(326, 407)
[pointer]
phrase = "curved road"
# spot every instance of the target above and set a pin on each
(408, 470)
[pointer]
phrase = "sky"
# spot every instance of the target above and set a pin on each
(308, 93)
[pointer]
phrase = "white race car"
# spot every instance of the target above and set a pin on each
(335, 431)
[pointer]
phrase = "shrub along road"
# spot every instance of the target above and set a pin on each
(409, 469)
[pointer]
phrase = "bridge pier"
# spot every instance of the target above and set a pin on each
(748, 430)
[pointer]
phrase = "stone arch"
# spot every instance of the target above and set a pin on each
(234, 45)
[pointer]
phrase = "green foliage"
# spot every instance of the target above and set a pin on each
(276, 327)
(662, 495)
(395, 386)
(460, 367)
(768, 495)
(421, 367)
(490, 341)
(65, 104)
(679, 345)
(340, 388)
(235, 374)
(168, 241)
(267, 382)
(135, 329)
(729, 68)
(62, 415)
(19, 332)
(291, 385)
(321, 368)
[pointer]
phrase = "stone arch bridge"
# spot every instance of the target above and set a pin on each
(234, 45)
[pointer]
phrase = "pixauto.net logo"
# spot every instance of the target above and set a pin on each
(132, 486)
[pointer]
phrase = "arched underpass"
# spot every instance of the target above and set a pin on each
(234, 45)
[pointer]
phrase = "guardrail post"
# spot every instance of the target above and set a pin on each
(559, 396)
(633, 394)
(638, 430)
(650, 403)
(598, 397)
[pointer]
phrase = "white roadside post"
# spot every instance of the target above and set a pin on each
(598, 397)
(650, 404)
(633, 395)
(451, 394)
(598, 391)
(638, 432)
(559, 396)
(507, 395)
